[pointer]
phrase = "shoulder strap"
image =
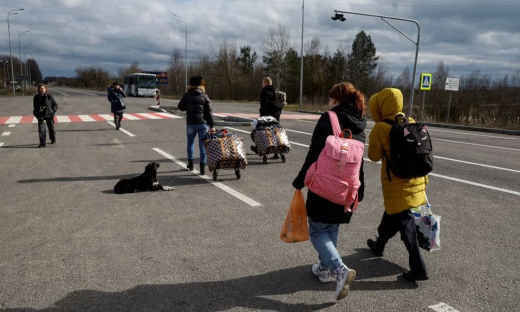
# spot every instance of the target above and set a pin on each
(391, 123)
(336, 129)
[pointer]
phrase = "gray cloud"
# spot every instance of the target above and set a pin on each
(66, 34)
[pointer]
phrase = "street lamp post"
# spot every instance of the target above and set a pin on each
(23, 33)
(339, 16)
(185, 49)
(10, 54)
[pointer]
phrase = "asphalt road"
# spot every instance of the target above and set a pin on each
(68, 243)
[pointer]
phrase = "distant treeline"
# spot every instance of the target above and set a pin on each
(28, 68)
(234, 73)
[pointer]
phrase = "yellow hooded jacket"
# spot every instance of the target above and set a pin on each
(399, 194)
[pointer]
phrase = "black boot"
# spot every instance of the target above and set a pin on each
(202, 168)
(374, 246)
(190, 164)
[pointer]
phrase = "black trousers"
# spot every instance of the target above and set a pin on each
(42, 131)
(403, 223)
(117, 119)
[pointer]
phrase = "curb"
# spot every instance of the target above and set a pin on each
(157, 109)
(469, 128)
(460, 127)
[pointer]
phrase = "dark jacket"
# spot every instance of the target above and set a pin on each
(197, 106)
(267, 106)
(114, 97)
(44, 106)
(320, 209)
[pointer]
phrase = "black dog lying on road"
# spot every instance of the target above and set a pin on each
(145, 182)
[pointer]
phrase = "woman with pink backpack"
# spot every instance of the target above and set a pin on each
(346, 107)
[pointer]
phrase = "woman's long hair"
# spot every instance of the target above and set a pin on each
(41, 85)
(345, 92)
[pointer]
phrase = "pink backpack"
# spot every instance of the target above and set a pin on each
(335, 175)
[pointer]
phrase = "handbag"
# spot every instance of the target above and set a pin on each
(295, 228)
(428, 226)
(121, 104)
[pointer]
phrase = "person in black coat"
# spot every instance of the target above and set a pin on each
(44, 109)
(199, 119)
(115, 96)
(267, 107)
(325, 216)
(267, 98)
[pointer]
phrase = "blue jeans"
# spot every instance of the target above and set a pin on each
(191, 133)
(324, 238)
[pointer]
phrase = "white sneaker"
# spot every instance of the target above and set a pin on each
(323, 273)
(344, 277)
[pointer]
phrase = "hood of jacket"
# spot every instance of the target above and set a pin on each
(348, 113)
(386, 104)
(197, 89)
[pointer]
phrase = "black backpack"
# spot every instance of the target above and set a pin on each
(410, 149)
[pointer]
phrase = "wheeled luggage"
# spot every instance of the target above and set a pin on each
(270, 138)
(225, 151)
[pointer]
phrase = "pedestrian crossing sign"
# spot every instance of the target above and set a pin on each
(426, 81)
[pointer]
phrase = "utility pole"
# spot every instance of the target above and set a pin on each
(10, 53)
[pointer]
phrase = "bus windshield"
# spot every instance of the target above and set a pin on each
(146, 82)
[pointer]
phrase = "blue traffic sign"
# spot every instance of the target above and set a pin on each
(426, 81)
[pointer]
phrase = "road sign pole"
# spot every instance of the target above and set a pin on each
(449, 106)
(423, 96)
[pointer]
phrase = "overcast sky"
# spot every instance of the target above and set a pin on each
(65, 34)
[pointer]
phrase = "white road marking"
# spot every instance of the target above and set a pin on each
(130, 117)
(6, 133)
(304, 145)
(11, 126)
(34, 120)
(58, 91)
(477, 164)
(475, 144)
(432, 174)
(149, 116)
(298, 131)
(13, 120)
(106, 116)
(86, 118)
(442, 307)
(63, 118)
(121, 129)
(223, 187)
(168, 115)
(475, 184)
(1, 144)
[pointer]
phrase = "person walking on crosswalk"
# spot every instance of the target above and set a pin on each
(44, 109)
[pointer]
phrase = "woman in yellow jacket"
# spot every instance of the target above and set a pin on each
(399, 194)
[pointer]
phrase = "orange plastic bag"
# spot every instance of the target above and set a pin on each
(295, 228)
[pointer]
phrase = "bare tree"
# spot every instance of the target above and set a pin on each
(228, 66)
(276, 45)
(175, 72)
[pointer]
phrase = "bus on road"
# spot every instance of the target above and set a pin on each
(140, 85)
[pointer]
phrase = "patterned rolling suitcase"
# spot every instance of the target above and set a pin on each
(272, 140)
(225, 151)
